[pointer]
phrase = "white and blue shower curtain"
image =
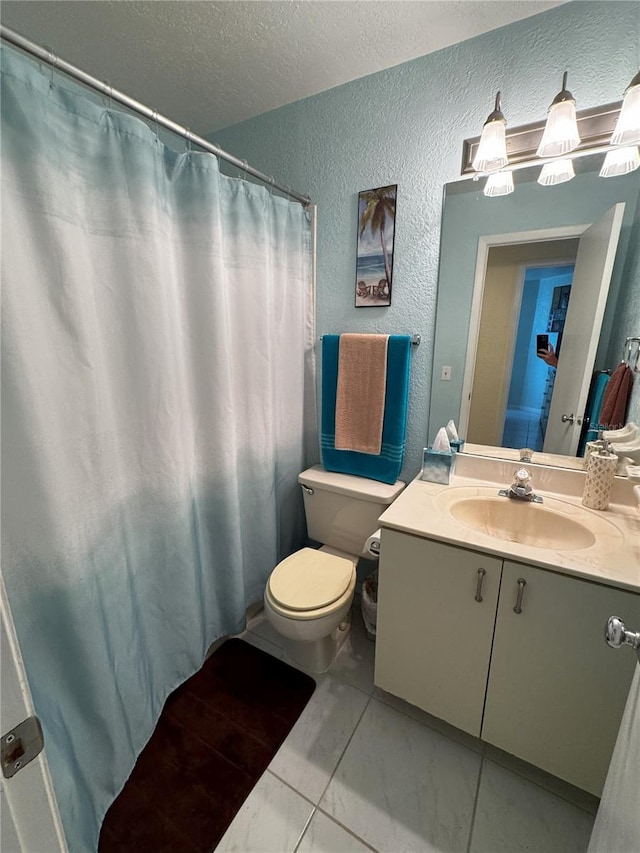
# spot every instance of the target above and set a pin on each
(157, 406)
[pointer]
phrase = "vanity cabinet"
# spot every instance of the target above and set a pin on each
(556, 691)
(436, 613)
(540, 683)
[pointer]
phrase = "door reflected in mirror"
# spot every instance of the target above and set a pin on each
(522, 283)
(506, 276)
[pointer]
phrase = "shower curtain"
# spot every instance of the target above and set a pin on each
(157, 406)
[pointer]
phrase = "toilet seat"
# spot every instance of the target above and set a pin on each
(311, 584)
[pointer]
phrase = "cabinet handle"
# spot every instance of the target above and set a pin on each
(481, 574)
(521, 585)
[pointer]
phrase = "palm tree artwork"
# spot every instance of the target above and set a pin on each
(376, 231)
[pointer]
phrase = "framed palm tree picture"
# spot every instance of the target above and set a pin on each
(376, 233)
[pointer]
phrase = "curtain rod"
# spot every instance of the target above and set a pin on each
(104, 88)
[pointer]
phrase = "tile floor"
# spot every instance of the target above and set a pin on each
(362, 770)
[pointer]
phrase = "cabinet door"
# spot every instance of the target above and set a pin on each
(433, 638)
(556, 690)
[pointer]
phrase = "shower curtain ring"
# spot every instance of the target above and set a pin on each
(52, 59)
(188, 135)
(155, 119)
(109, 93)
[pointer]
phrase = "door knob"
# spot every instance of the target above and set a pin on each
(568, 419)
(616, 634)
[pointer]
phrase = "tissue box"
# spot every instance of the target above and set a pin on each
(456, 444)
(437, 466)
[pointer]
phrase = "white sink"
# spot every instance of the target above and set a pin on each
(553, 525)
(518, 521)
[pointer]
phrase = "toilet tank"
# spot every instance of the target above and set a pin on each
(342, 510)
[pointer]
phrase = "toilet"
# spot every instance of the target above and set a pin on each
(309, 594)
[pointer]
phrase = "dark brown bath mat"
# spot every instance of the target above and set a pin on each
(216, 736)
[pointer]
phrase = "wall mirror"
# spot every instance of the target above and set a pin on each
(555, 261)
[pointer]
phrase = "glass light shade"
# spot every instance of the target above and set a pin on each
(499, 183)
(627, 129)
(620, 161)
(556, 172)
(492, 150)
(561, 130)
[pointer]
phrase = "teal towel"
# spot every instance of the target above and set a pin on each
(387, 466)
(594, 404)
(598, 396)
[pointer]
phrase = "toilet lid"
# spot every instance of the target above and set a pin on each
(310, 579)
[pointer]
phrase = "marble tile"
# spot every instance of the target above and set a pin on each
(260, 643)
(261, 626)
(402, 786)
(356, 659)
(254, 610)
(314, 746)
(426, 719)
(583, 799)
(513, 815)
(272, 818)
(324, 835)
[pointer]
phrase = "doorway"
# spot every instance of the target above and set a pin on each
(484, 384)
(509, 312)
(543, 310)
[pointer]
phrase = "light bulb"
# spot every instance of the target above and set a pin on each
(561, 130)
(620, 161)
(627, 129)
(499, 183)
(556, 172)
(492, 149)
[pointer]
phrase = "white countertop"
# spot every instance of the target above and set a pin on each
(614, 558)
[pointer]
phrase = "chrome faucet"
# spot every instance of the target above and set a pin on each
(521, 488)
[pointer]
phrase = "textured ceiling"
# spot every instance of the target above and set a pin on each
(208, 65)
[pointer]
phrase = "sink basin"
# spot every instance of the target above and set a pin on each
(523, 522)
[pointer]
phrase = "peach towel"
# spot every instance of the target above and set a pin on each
(360, 395)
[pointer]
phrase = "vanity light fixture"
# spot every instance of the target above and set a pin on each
(627, 129)
(499, 183)
(492, 150)
(561, 130)
(610, 129)
(620, 161)
(556, 172)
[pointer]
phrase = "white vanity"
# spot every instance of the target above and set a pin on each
(493, 618)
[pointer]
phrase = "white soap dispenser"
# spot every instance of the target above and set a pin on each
(601, 470)
(600, 443)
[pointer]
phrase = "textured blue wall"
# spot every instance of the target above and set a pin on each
(405, 125)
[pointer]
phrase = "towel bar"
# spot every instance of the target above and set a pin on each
(415, 340)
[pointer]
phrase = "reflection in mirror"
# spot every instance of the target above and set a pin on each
(558, 262)
(525, 297)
